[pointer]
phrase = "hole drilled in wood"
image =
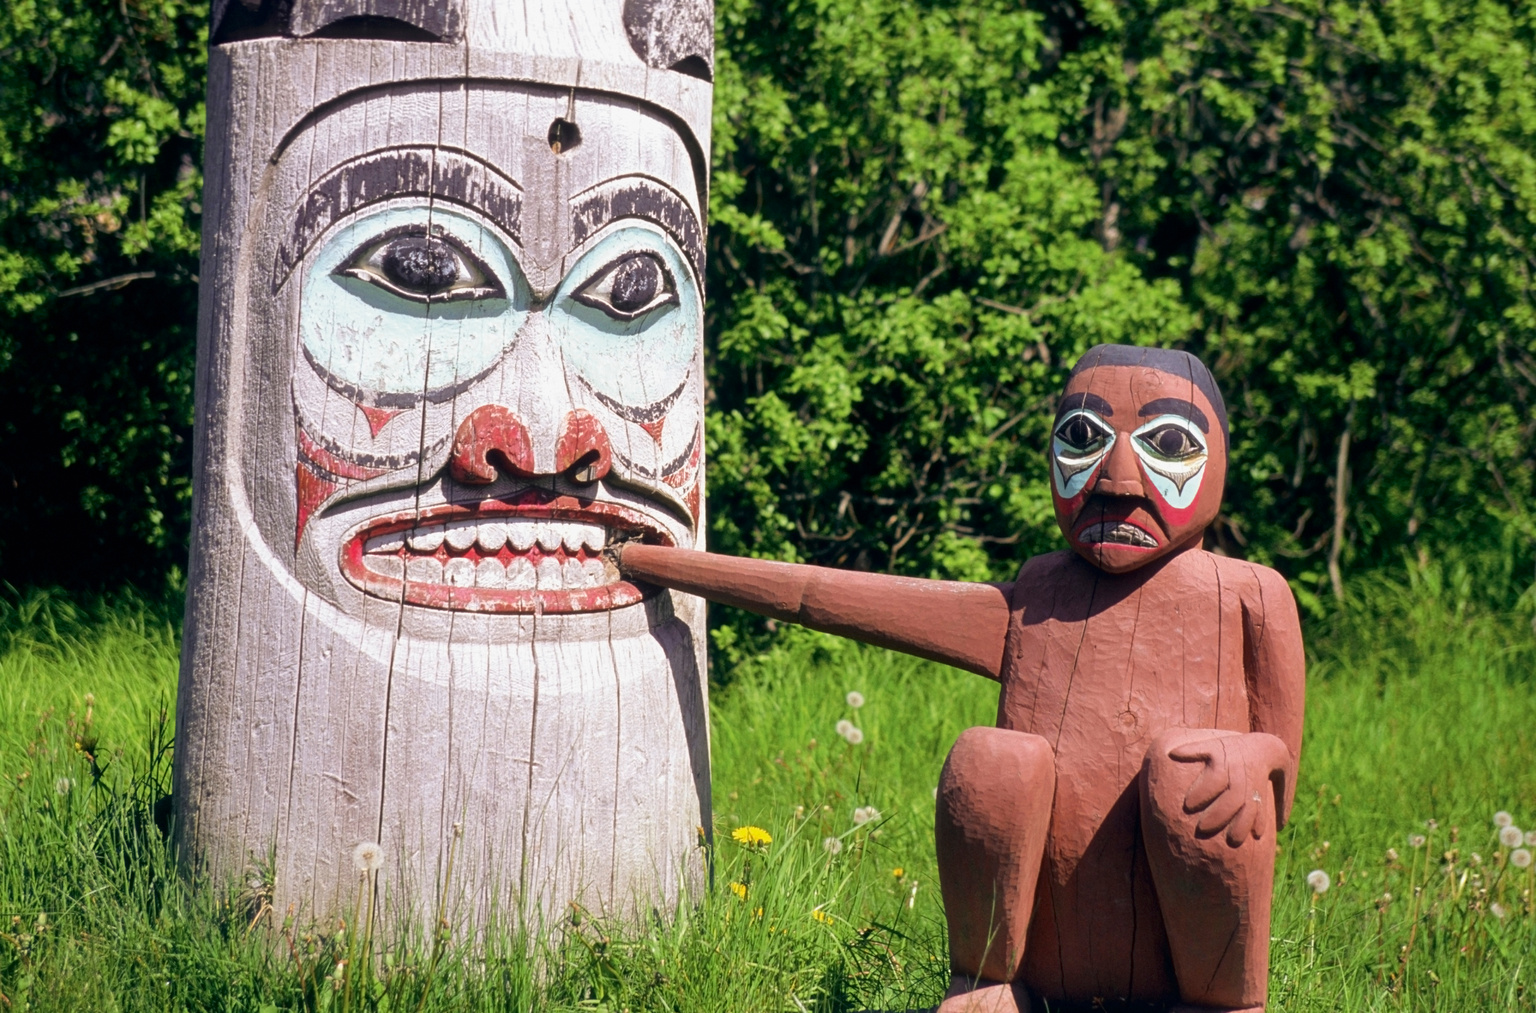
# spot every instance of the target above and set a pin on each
(563, 136)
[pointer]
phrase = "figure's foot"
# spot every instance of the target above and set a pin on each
(978, 995)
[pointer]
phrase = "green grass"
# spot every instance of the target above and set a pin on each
(1420, 708)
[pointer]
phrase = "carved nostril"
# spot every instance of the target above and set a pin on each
(489, 439)
(583, 448)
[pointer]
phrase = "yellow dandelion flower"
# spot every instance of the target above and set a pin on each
(740, 890)
(751, 837)
(821, 916)
(898, 872)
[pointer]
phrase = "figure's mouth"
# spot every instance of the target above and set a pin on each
(533, 554)
(1119, 533)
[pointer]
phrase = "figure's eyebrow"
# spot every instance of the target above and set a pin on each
(638, 197)
(1084, 399)
(1177, 406)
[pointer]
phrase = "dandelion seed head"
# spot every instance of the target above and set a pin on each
(1530, 838)
(1502, 819)
(1498, 910)
(854, 736)
(1415, 840)
(62, 786)
(1318, 880)
(1520, 858)
(1432, 825)
(833, 845)
(855, 699)
(1511, 836)
(844, 727)
(865, 814)
(1476, 859)
(368, 857)
(1391, 854)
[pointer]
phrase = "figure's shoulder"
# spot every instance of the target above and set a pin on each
(1052, 564)
(1260, 586)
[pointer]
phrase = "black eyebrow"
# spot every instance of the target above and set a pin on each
(1084, 399)
(1177, 406)
(644, 198)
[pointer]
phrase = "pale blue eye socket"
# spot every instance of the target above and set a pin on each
(628, 316)
(411, 300)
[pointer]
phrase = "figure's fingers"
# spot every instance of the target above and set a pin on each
(1221, 812)
(1189, 752)
(1209, 783)
(1264, 819)
(1240, 827)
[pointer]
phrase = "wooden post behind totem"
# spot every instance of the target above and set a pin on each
(1113, 838)
(450, 347)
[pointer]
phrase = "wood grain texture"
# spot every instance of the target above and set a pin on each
(391, 248)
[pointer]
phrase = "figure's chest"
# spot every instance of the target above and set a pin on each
(1120, 659)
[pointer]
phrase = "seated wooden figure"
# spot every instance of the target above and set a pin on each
(1113, 838)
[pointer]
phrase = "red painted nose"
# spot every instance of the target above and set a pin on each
(1120, 476)
(491, 439)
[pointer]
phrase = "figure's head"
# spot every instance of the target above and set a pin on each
(1138, 454)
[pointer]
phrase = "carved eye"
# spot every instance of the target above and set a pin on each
(1082, 434)
(1171, 442)
(629, 287)
(423, 266)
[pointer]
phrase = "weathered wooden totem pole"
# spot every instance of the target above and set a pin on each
(450, 347)
(1113, 838)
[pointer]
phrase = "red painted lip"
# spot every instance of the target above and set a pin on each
(389, 578)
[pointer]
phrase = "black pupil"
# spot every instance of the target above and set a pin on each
(421, 264)
(1078, 433)
(635, 282)
(1170, 442)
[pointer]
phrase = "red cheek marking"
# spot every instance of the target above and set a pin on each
(377, 418)
(1174, 516)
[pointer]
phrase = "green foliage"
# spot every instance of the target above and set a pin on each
(101, 120)
(1419, 710)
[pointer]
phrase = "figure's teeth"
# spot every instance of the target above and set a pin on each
(520, 575)
(597, 573)
(574, 536)
(522, 534)
(490, 573)
(550, 578)
(385, 543)
(426, 539)
(461, 535)
(459, 572)
(549, 536)
(574, 575)
(385, 566)
(424, 570)
(491, 536)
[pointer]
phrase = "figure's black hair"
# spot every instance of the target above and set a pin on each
(1173, 361)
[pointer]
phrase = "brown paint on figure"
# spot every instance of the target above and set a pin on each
(1114, 836)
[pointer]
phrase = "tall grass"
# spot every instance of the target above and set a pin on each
(1421, 724)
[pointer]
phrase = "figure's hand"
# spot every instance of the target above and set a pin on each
(1230, 791)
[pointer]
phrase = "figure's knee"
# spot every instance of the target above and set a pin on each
(1166, 779)
(997, 778)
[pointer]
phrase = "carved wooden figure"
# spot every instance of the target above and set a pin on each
(450, 346)
(1113, 838)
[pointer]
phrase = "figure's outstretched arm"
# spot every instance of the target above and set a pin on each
(956, 622)
(1276, 669)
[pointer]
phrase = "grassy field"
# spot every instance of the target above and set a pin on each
(1421, 726)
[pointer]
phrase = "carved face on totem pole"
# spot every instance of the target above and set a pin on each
(451, 349)
(1138, 455)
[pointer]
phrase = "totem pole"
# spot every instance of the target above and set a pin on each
(1113, 838)
(450, 347)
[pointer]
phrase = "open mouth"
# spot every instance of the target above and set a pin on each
(1116, 533)
(532, 555)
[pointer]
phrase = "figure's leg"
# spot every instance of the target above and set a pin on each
(1215, 896)
(993, 812)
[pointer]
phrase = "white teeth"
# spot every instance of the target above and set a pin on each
(550, 577)
(522, 534)
(385, 566)
(594, 536)
(574, 536)
(574, 575)
(459, 572)
(520, 575)
(461, 535)
(385, 543)
(597, 573)
(549, 536)
(490, 573)
(424, 571)
(491, 536)
(426, 539)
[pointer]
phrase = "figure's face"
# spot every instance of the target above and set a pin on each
(1138, 462)
(487, 354)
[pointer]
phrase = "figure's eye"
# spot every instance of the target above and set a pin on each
(422, 265)
(1082, 434)
(630, 287)
(1172, 442)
